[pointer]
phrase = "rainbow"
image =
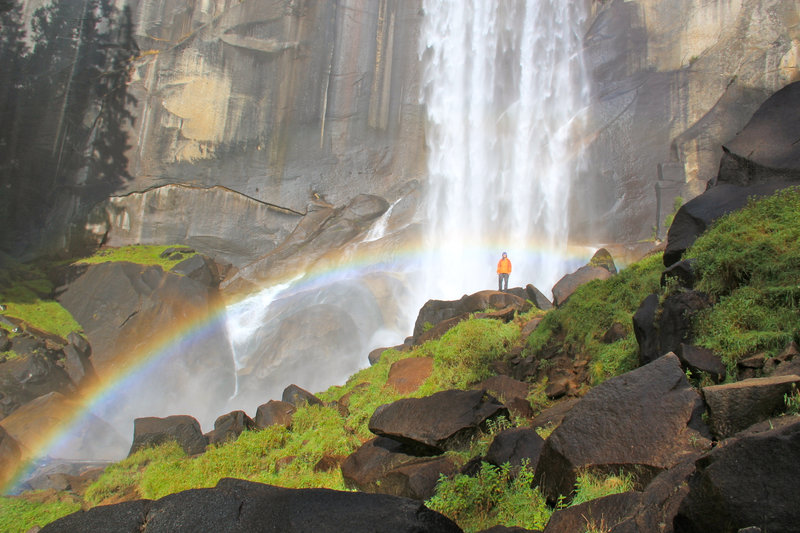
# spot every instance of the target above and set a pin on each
(350, 263)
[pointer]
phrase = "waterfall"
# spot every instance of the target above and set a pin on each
(504, 86)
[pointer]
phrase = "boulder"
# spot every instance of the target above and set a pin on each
(436, 311)
(381, 466)
(602, 258)
(406, 375)
(29, 376)
(568, 284)
(432, 425)
(750, 481)
(183, 429)
(553, 416)
(515, 447)
(365, 468)
(274, 412)
(766, 148)
(682, 272)
(228, 427)
(675, 321)
(5, 342)
(505, 388)
(538, 298)
(78, 366)
(602, 514)
(239, 505)
(417, 480)
(644, 421)
(615, 333)
(644, 328)
(699, 359)
(299, 397)
(733, 407)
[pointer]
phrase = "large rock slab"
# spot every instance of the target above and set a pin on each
(9, 456)
(183, 429)
(236, 505)
(406, 375)
(645, 421)
(568, 284)
(437, 423)
(750, 481)
(515, 447)
(733, 407)
(767, 146)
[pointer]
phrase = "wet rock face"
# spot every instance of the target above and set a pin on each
(277, 99)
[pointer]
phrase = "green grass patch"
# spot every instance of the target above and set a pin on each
(142, 254)
(749, 263)
(493, 497)
(592, 309)
(591, 486)
(18, 515)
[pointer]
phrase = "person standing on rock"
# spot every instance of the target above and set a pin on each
(503, 270)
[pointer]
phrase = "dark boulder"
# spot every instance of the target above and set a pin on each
(767, 146)
(538, 298)
(365, 468)
(417, 480)
(602, 514)
(750, 481)
(699, 359)
(682, 272)
(274, 412)
(602, 258)
(236, 505)
(554, 415)
(675, 321)
(183, 429)
(78, 366)
(644, 328)
(228, 427)
(616, 332)
(568, 284)
(299, 397)
(33, 374)
(511, 392)
(432, 425)
(733, 407)
(515, 447)
(644, 421)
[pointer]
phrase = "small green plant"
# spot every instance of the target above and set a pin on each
(792, 401)
(142, 254)
(591, 486)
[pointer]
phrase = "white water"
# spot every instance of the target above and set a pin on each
(504, 86)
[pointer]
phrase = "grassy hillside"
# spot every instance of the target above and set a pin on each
(748, 262)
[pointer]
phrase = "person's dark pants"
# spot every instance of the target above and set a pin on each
(502, 279)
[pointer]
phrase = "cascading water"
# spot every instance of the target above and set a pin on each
(504, 88)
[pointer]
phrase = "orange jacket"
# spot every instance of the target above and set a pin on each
(504, 266)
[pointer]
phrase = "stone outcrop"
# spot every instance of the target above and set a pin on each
(239, 505)
(747, 482)
(733, 407)
(183, 429)
(564, 287)
(664, 327)
(274, 412)
(228, 427)
(437, 423)
(645, 421)
(516, 447)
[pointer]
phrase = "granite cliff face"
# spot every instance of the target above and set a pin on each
(292, 101)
